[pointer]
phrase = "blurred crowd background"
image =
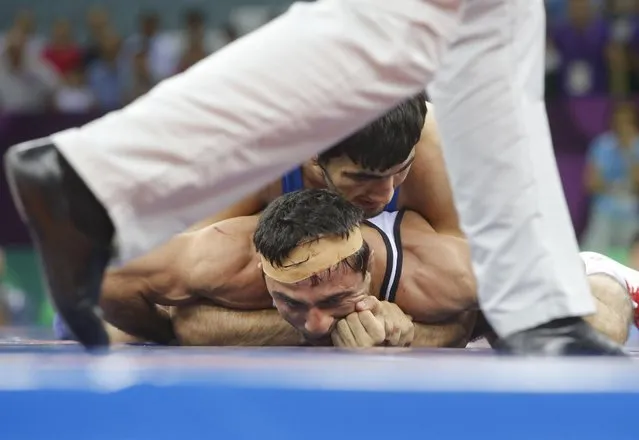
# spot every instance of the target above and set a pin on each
(66, 62)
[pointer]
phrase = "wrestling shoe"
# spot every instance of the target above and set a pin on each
(568, 336)
(70, 229)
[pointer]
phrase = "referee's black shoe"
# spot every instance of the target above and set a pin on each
(568, 336)
(70, 229)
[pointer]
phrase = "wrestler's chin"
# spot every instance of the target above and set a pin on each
(371, 212)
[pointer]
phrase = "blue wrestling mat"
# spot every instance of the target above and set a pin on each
(137, 393)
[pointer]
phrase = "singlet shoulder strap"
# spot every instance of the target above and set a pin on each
(399, 260)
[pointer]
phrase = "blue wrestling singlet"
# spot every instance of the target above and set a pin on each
(293, 182)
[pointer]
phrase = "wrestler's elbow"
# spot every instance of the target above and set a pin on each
(465, 324)
(467, 289)
(617, 331)
(614, 309)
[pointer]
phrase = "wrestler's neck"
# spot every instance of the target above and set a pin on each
(378, 257)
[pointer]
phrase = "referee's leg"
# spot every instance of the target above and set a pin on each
(489, 99)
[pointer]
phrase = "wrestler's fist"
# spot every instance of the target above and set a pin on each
(398, 327)
(359, 330)
(374, 323)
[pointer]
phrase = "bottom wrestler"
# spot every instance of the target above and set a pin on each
(320, 263)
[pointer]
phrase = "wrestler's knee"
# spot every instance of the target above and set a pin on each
(615, 312)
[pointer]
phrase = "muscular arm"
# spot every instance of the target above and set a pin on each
(454, 333)
(205, 323)
(217, 262)
(437, 281)
(129, 294)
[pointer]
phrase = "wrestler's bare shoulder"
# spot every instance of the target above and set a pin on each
(225, 265)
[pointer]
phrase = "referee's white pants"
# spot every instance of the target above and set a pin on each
(488, 98)
(242, 117)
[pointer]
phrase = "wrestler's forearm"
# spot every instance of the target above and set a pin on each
(455, 333)
(207, 324)
(131, 312)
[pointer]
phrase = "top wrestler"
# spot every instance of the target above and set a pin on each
(393, 163)
(400, 148)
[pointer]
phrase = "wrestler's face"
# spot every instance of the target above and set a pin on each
(367, 189)
(315, 307)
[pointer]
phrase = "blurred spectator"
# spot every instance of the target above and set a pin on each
(98, 26)
(105, 74)
(197, 43)
(141, 79)
(62, 51)
(246, 18)
(74, 96)
(24, 21)
(582, 43)
(13, 301)
(215, 39)
(612, 178)
(624, 19)
(159, 48)
(622, 15)
(555, 10)
(230, 33)
(27, 82)
(633, 253)
(553, 62)
(194, 52)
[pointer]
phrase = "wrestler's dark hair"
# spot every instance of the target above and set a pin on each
(304, 216)
(387, 141)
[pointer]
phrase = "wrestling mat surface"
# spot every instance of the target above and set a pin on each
(143, 392)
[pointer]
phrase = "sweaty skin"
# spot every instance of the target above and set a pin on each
(216, 268)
